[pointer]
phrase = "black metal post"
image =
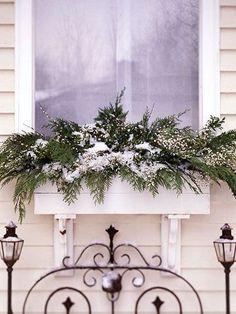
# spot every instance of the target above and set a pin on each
(9, 290)
(227, 286)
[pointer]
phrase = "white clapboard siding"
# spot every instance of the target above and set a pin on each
(208, 279)
(228, 62)
(228, 103)
(228, 82)
(7, 59)
(7, 36)
(228, 59)
(223, 204)
(39, 238)
(227, 17)
(6, 81)
(7, 102)
(206, 233)
(197, 261)
(7, 13)
(228, 38)
(7, 124)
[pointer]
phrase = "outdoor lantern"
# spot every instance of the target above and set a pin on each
(10, 250)
(225, 248)
(11, 245)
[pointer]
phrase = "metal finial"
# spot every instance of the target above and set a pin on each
(157, 303)
(112, 231)
(226, 232)
(10, 230)
(68, 304)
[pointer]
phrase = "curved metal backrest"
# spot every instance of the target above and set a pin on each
(107, 271)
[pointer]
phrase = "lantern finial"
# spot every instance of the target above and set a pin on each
(226, 232)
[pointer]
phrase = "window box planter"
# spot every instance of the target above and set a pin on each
(122, 199)
(147, 155)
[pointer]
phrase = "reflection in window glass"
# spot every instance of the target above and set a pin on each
(85, 53)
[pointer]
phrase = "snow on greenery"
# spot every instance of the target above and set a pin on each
(145, 154)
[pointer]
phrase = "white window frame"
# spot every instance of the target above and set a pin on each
(209, 92)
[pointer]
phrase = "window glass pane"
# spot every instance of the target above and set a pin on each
(85, 53)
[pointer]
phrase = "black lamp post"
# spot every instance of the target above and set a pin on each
(10, 250)
(225, 248)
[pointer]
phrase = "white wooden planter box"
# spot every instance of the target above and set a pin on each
(122, 199)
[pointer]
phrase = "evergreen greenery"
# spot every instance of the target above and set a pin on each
(145, 154)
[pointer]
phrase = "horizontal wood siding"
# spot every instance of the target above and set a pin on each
(228, 103)
(227, 16)
(199, 263)
(6, 119)
(223, 204)
(7, 59)
(7, 84)
(7, 36)
(7, 102)
(228, 39)
(7, 13)
(6, 124)
(228, 61)
(6, 81)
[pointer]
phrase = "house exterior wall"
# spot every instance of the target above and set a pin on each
(199, 263)
(6, 68)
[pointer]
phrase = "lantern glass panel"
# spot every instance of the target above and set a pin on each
(17, 249)
(11, 249)
(225, 250)
(1, 250)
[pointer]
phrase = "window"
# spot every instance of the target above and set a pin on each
(151, 47)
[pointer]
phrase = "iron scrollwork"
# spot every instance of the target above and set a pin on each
(108, 268)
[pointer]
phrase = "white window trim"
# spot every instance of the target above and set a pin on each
(209, 60)
(24, 66)
(209, 91)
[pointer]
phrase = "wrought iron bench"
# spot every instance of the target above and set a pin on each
(108, 270)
